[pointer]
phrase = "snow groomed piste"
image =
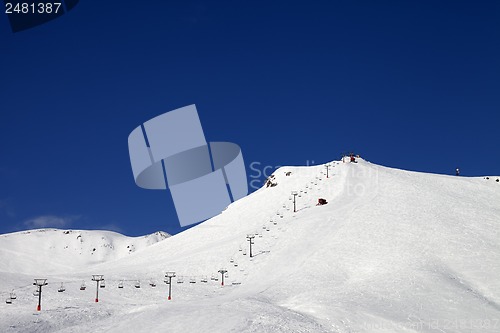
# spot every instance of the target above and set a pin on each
(390, 251)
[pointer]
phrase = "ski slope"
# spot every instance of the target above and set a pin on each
(50, 251)
(392, 251)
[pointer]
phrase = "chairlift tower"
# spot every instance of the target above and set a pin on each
(222, 271)
(294, 193)
(40, 283)
(327, 166)
(250, 238)
(97, 279)
(169, 276)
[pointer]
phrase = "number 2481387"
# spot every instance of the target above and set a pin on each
(32, 8)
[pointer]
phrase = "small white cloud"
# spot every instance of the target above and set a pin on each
(50, 221)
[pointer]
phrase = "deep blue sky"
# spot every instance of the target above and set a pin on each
(407, 84)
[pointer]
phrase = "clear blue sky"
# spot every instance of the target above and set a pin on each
(407, 84)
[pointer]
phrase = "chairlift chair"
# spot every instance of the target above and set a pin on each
(102, 284)
(61, 288)
(152, 284)
(8, 301)
(120, 284)
(138, 284)
(180, 279)
(13, 295)
(204, 279)
(83, 287)
(192, 280)
(36, 292)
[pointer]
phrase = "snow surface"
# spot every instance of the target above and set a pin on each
(392, 251)
(27, 251)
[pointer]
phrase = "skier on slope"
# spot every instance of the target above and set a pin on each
(457, 172)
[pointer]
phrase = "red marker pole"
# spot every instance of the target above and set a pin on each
(39, 307)
(170, 288)
(97, 292)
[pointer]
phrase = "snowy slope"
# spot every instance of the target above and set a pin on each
(48, 251)
(392, 251)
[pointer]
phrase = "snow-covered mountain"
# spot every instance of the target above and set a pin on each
(48, 251)
(391, 251)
